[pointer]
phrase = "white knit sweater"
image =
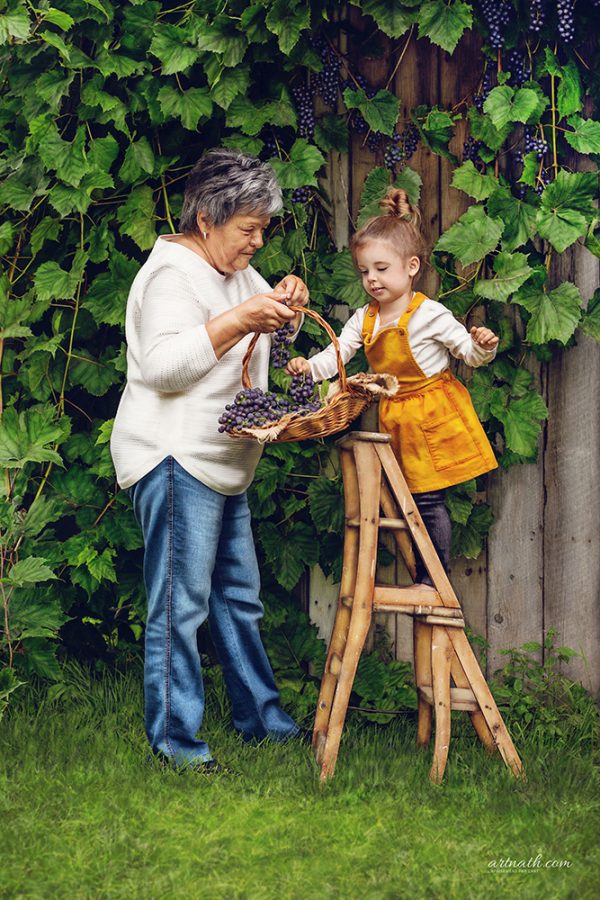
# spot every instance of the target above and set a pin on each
(432, 332)
(176, 388)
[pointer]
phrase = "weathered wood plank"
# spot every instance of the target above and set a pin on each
(572, 479)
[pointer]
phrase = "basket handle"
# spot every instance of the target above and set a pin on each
(246, 383)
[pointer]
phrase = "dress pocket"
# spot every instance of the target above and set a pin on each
(450, 442)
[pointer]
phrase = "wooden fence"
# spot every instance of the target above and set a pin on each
(541, 568)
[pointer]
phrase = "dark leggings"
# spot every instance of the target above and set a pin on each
(437, 521)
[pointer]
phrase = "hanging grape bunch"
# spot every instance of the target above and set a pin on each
(280, 345)
(327, 81)
(303, 98)
(402, 146)
(537, 15)
(566, 20)
(497, 14)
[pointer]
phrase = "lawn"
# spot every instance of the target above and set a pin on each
(85, 816)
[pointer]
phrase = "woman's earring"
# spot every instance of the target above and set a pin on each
(204, 235)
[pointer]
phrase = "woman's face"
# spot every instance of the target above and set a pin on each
(233, 244)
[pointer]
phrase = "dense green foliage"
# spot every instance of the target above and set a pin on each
(104, 109)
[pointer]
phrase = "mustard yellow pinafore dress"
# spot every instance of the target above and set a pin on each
(436, 435)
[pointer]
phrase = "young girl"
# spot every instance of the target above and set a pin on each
(435, 432)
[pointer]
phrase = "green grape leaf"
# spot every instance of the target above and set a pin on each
(27, 436)
(380, 112)
(590, 322)
(39, 658)
(170, 45)
(230, 83)
(31, 570)
(188, 106)
(95, 375)
(511, 272)
(566, 207)
(102, 153)
(272, 259)
(444, 23)
(47, 230)
(391, 16)
(436, 130)
(518, 215)
(345, 284)
(482, 390)
(521, 420)
(137, 217)
(326, 501)
(505, 104)
(31, 619)
(468, 179)
(7, 232)
(331, 133)
(288, 21)
(554, 315)
(106, 299)
(251, 118)
(585, 137)
(250, 145)
(472, 237)
(483, 129)
(138, 162)
(14, 24)
(300, 169)
(569, 97)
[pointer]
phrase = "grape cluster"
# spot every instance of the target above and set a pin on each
(328, 79)
(486, 86)
(566, 19)
(497, 14)
(471, 149)
(533, 143)
(543, 180)
(402, 146)
(537, 15)
(519, 69)
(303, 392)
(280, 345)
(306, 113)
(253, 408)
(270, 148)
(301, 195)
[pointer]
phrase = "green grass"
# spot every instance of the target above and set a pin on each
(83, 815)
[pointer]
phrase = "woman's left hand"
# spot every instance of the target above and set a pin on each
(295, 290)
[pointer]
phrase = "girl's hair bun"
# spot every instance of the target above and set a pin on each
(396, 203)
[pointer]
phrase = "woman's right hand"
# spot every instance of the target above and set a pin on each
(298, 366)
(264, 312)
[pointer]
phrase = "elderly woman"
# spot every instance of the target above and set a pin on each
(191, 312)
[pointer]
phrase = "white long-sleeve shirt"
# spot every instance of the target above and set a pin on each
(176, 387)
(433, 333)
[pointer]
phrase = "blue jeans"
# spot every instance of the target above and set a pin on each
(200, 563)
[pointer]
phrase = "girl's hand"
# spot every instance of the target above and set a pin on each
(298, 366)
(294, 289)
(484, 338)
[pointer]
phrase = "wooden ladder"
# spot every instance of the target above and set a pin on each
(377, 496)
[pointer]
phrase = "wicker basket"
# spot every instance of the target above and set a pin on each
(339, 410)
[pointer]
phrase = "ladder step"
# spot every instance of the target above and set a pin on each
(385, 596)
(422, 609)
(390, 524)
(460, 698)
(442, 620)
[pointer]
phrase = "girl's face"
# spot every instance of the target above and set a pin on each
(386, 275)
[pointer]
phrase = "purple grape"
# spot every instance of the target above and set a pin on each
(303, 97)
(537, 15)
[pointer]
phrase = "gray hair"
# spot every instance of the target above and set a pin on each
(226, 182)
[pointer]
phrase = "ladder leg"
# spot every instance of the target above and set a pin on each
(369, 480)
(422, 656)
(477, 718)
(487, 704)
(339, 635)
(441, 656)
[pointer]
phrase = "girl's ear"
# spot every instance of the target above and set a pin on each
(414, 264)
